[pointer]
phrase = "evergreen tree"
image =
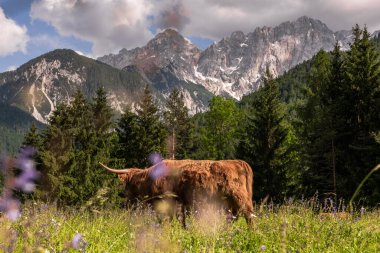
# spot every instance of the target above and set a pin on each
(102, 113)
(72, 147)
(32, 138)
(54, 155)
(199, 149)
(178, 123)
(129, 136)
(221, 127)
(362, 93)
(314, 129)
(339, 117)
(263, 144)
(147, 134)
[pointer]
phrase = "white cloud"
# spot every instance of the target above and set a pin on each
(109, 24)
(215, 19)
(14, 38)
(114, 24)
(12, 67)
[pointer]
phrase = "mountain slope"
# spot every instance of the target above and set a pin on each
(40, 84)
(14, 124)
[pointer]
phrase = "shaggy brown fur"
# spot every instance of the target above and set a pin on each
(193, 182)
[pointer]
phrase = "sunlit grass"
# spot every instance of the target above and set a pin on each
(287, 228)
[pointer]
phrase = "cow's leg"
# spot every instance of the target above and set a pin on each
(184, 209)
(243, 205)
(248, 211)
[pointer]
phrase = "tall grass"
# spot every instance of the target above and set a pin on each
(294, 227)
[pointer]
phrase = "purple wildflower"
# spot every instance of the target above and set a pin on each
(11, 208)
(29, 174)
(24, 181)
(78, 242)
(155, 158)
(159, 169)
(262, 248)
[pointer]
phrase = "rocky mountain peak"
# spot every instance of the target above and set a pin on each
(169, 35)
(168, 47)
(238, 35)
(234, 65)
(376, 34)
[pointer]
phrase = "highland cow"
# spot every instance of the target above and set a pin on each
(192, 183)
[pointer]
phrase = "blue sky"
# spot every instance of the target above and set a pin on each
(30, 28)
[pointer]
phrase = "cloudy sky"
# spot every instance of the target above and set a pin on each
(29, 28)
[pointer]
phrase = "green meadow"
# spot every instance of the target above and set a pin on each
(296, 227)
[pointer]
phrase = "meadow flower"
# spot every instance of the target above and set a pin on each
(11, 208)
(78, 242)
(155, 158)
(262, 248)
(29, 174)
(159, 170)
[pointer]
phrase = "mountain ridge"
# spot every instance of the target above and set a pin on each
(234, 65)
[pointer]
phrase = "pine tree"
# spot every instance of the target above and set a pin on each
(263, 144)
(102, 145)
(54, 155)
(102, 112)
(314, 129)
(129, 136)
(76, 139)
(362, 93)
(32, 138)
(221, 129)
(146, 131)
(178, 123)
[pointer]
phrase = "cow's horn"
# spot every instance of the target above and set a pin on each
(123, 171)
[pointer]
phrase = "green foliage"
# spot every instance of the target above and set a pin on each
(362, 93)
(217, 137)
(32, 138)
(14, 124)
(263, 144)
(337, 119)
(314, 129)
(177, 121)
(130, 147)
(77, 138)
(142, 134)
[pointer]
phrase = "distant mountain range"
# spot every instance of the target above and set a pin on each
(232, 67)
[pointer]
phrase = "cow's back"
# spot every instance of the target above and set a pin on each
(236, 173)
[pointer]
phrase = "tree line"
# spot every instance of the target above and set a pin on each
(324, 142)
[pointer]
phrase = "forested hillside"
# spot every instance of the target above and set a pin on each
(14, 124)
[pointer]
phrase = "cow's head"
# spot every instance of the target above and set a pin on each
(128, 178)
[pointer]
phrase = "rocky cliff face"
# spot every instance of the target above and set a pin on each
(167, 48)
(233, 66)
(167, 61)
